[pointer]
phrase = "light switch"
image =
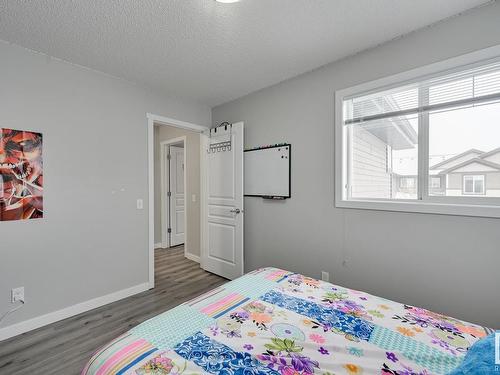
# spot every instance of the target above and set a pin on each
(193, 198)
(140, 204)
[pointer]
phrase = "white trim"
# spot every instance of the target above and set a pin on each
(163, 208)
(482, 207)
(194, 258)
(158, 245)
(424, 208)
(160, 120)
(151, 204)
(165, 204)
(67, 312)
(203, 197)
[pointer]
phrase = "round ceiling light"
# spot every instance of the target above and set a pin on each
(227, 1)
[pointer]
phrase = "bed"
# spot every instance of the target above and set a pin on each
(272, 321)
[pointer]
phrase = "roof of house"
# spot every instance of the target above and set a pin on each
(471, 161)
(400, 135)
(489, 153)
(456, 157)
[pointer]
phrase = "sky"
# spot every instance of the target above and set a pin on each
(453, 132)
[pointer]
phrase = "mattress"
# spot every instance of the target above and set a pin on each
(272, 321)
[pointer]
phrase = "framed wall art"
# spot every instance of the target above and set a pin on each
(21, 175)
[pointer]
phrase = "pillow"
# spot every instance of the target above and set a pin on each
(480, 359)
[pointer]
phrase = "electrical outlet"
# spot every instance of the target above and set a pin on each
(325, 276)
(17, 294)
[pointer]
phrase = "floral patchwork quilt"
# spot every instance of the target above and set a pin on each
(272, 321)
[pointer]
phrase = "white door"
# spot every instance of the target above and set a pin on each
(222, 223)
(177, 199)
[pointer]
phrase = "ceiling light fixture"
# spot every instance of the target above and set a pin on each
(227, 1)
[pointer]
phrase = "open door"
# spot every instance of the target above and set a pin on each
(222, 213)
(177, 196)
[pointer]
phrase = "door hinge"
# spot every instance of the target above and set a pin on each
(169, 230)
(169, 156)
(169, 194)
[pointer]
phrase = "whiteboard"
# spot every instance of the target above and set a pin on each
(267, 171)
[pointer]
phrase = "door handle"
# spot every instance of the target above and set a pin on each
(236, 210)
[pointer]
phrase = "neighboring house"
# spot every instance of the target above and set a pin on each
(373, 144)
(377, 173)
(471, 173)
(407, 184)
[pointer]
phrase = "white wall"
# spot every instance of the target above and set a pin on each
(192, 162)
(92, 241)
(446, 263)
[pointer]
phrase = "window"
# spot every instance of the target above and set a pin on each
(435, 183)
(473, 184)
(407, 183)
(423, 141)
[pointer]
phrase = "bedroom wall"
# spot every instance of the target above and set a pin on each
(445, 263)
(93, 240)
(192, 162)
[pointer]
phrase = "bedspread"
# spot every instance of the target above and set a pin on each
(272, 321)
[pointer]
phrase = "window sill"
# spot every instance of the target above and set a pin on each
(474, 210)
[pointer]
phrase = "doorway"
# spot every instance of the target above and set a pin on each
(157, 126)
(173, 183)
(176, 192)
(219, 201)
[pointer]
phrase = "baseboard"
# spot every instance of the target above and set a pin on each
(194, 258)
(43, 320)
(158, 245)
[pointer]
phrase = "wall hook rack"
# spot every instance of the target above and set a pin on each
(220, 145)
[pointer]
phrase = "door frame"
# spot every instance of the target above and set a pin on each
(165, 203)
(153, 120)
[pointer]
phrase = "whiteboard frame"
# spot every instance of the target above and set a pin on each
(289, 172)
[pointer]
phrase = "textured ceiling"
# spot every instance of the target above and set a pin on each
(210, 52)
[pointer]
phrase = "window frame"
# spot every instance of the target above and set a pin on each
(425, 203)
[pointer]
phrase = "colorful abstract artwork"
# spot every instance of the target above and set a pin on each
(21, 175)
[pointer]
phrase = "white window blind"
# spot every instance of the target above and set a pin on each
(476, 85)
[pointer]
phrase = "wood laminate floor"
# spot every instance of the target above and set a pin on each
(64, 347)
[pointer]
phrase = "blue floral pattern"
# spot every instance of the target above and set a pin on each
(327, 317)
(218, 358)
